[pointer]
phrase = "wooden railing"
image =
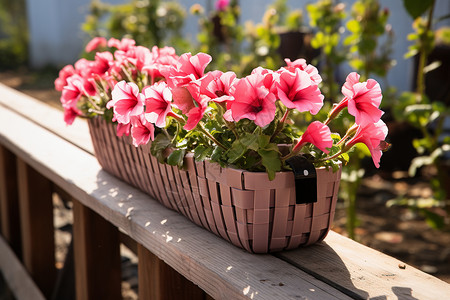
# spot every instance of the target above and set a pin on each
(40, 156)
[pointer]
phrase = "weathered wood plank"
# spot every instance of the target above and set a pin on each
(220, 269)
(158, 281)
(365, 273)
(48, 117)
(36, 224)
(17, 278)
(9, 203)
(97, 256)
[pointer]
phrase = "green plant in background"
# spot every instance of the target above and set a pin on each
(367, 25)
(264, 37)
(221, 35)
(13, 34)
(428, 116)
(326, 18)
(150, 23)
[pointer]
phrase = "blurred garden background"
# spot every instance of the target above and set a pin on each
(401, 209)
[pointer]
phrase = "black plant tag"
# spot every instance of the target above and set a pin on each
(305, 179)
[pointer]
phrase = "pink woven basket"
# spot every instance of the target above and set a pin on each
(245, 208)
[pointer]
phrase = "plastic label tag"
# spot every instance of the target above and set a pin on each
(305, 179)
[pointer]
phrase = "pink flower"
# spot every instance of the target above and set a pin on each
(182, 99)
(158, 100)
(187, 69)
(95, 43)
(123, 129)
(252, 100)
(127, 101)
(270, 77)
(296, 90)
(362, 100)
(196, 114)
(222, 4)
(142, 131)
(64, 73)
(102, 63)
(302, 65)
(217, 85)
(317, 134)
(162, 59)
(373, 136)
(76, 87)
(140, 57)
(70, 113)
(124, 44)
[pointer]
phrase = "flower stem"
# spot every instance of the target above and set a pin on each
(210, 136)
(332, 157)
(423, 56)
(280, 125)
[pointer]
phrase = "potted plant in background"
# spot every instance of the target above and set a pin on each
(219, 149)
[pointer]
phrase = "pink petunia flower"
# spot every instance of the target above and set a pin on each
(158, 101)
(123, 129)
(222, 4)
(188, 68)
(217, 85)
(76, 87)
(182, 99)
(317, 134)
(95, 43)
(297, 90)
(196, 113)
(70, 114)
(252, 100)
(142, 131)
(64, 73)
(102, 63)
(125, 44)
(373, 136)
(127, 101)
(302, 65)
(162, 59)
(362, 100)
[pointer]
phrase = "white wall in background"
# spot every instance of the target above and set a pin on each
(56, 37)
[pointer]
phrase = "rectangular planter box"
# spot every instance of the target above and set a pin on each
(245, 208)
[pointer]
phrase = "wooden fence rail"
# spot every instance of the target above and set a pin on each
(39, 156)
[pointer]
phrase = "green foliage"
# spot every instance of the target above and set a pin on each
(428, 116)
(13, 34)
(326, 19)
(176, 157)
(422, 38)
(416, 8)
(368, 24)
(148, 22)
(159, 147)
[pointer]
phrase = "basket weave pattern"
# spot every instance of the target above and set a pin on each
(244, 208)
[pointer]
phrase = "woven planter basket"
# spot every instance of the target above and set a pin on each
(245, 208)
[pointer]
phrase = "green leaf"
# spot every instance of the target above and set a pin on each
(416, 8)
(236, 151)
(176, 158)
(433, 219)
(250, 141)
(353, 26)
(202, 152)
(271, 161)
(217, 154)
(159, 145)
(263, 141)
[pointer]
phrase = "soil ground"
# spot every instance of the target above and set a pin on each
(397, 231)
